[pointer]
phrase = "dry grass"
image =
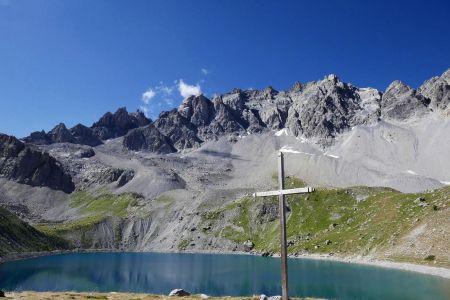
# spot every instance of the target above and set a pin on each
(109, 296)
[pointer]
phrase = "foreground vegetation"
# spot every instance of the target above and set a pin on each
(112, 296)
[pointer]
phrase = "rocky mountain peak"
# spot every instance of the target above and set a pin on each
(398, 87)
(60, 134)
(112, 125)
(446, 76)
(296, 87)
(437, 89)
(197, 109)
(332, 77)
(319, 109)
(402, 102)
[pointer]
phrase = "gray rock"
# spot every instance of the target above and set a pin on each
(85, 153)
(275, 298)
(112, 125)
(60, 134)
(263, 297)
(248, 246)
(401, 102)
(179, 293)
(326, 108)
(84, 136)
(27, 165)
(38, 138)
(437, 89)
(148, 138)
(126, 177)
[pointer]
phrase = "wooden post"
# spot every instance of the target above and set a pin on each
(282, 209)
(281, 192)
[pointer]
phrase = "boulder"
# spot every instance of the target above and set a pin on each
(179, 293)
(248, 245)
(263, 297)
(85, 153)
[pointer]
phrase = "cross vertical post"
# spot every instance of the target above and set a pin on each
(282, 209)
(281, 193)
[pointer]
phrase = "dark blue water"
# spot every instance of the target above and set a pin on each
(215, 275)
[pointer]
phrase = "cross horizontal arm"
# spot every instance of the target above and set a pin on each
(284, 192)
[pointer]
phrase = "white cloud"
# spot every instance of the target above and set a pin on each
(187, 90)
(204, 71)
(148, 95)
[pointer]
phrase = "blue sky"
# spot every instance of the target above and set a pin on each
(71, 61)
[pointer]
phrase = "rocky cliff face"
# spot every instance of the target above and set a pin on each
(24, 164)
(319, 110)
(437, 89)
(110, 125)
(117, 124)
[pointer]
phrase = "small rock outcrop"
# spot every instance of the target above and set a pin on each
(126, 177)
(85, 153)
(179, 293)
(24, 164)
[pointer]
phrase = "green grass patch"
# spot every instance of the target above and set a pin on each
(347, 221)
(93, 208)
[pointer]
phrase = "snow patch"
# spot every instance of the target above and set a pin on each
(445, 182)
(282, 132)
(290, 150)
(411, 172)
(331, 155)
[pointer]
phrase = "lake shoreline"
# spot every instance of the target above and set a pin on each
(363, 260)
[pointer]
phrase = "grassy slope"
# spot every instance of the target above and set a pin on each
(93, 208)
(17, 236)
(350, 221)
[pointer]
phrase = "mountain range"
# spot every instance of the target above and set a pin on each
(180, 181)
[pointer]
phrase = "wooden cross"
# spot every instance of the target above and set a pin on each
(281, 192)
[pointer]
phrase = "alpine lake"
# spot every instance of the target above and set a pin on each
(215, 275)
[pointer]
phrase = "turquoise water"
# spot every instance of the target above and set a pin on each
(214, 274)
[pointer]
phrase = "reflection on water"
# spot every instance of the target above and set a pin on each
(215, 275)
